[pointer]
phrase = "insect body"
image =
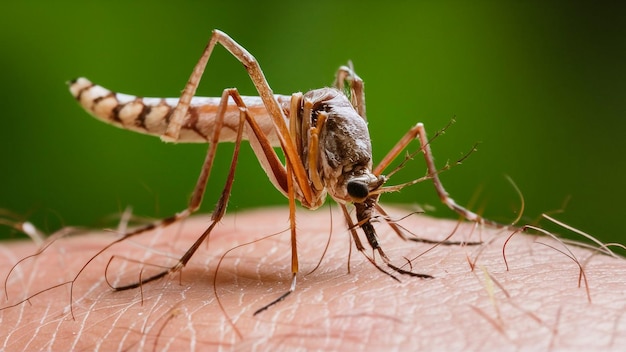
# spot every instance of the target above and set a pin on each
(341, 137)
(322, 133)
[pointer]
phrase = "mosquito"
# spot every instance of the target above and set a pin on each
(322, 134)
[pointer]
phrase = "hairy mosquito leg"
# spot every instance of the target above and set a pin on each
(216, 216)
(196, 198)
(295, 126)
(419, 132)
(269, 160)
(359, 245)
(282, 297)
(281, 176)
(367, 227)
(293, 162)
(443, 195)
(391, 224)
(265, 92)
(346, 74)
(294, 247)
(398, 230)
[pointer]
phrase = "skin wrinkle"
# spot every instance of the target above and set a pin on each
(331, 309)
(6, 253)
(145, 326)
(125, 336)
(54, 326)
(36, 332)
(93, 306)
(83, 321)
(106, 335)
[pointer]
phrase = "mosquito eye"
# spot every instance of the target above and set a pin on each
(357, 189)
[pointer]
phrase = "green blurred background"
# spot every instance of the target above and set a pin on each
(541, 85)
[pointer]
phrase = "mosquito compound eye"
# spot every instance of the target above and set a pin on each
(358, 190)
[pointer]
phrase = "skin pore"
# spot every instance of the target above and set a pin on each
(537, 304)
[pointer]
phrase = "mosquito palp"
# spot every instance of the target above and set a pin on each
(323, 136)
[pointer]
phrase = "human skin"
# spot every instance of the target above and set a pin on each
(537, 304)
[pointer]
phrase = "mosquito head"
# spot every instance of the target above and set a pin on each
(359, 187)
(343, 159)
(362, 190)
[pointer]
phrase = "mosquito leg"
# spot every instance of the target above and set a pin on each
(443, 195)
(419, 132)
(294, 247)
(391, 224)
(257, 77)
(346, 74)
(198, 192)
(396, 150)
(357, 241)
(398, 230)
(295, 125)
(282, 177)
(372, 240)
(194, 204)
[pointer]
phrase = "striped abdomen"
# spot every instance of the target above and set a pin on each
(151, 115)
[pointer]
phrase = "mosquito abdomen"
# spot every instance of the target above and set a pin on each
(151, 115)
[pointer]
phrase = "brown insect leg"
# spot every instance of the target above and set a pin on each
(194, 203)
(265, 92)
(294, 246)
(196, 198)
(346, 74)
(359, 246)
(398, 230)
(419, 132)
